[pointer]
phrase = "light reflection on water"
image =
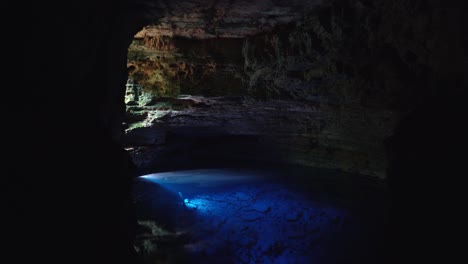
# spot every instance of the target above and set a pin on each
(238, 216)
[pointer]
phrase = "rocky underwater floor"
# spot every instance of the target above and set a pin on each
(257, 216)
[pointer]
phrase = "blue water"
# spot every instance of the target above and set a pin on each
(241, 216)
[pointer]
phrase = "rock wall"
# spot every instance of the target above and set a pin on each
(362, 64)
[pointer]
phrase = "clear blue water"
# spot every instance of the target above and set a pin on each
(255, 216)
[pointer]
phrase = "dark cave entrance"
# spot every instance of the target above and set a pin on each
(231, 136)
(338, 91)
(363, 103)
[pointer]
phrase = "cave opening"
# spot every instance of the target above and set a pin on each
(267, 131)
(249, 145)
(237, 132)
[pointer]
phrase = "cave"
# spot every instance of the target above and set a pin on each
(261, 131)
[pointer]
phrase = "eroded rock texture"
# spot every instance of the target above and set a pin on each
(360, 65)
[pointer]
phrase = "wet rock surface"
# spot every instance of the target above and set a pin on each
(220, 130)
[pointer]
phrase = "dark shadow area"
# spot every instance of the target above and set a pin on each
(426, 183)
(66, 181)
